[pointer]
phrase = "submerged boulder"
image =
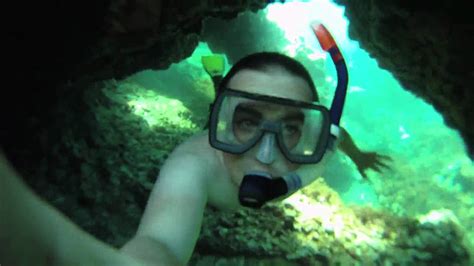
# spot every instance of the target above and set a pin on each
(314, 227)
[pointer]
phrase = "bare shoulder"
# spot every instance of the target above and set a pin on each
(196, 144)
(193, 161)
(199, 151)
(220, 190)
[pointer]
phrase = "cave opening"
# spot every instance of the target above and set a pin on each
(97, 162)
(379, 113)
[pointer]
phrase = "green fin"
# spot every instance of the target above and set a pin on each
(213, 64)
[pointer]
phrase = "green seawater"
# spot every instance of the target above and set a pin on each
(429, 169)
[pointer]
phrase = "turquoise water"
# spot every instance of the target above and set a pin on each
(428, 158)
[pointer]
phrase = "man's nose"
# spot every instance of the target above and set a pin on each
(266, 151)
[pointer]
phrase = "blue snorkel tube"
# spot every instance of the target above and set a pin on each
(329, 45)
(258, 188)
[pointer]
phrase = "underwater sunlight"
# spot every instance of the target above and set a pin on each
(429, 168)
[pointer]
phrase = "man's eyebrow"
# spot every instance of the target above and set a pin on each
(294, 116)
(249, 110)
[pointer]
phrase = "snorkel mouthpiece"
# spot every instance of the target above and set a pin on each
(257, 188)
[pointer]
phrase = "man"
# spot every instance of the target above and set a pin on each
(267, 138)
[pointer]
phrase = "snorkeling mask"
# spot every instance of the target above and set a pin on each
(303, 131)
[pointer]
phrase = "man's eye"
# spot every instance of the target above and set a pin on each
(291, 129)
(246, 123)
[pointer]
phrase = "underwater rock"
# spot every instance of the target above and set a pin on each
(56, 47)
(103, 153)
(54, 151)
(225, 36)
(426, 47)
(314, 227)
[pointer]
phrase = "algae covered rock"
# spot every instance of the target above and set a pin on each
(103, 153)
(314, 227)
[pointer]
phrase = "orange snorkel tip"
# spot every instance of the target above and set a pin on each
(323, 35)
(326, 40)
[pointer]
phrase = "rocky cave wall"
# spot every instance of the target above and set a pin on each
(62, 133)
(54, 51)
(427, 47)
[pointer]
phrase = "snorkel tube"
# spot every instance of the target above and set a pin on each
(258, 188)
(329, 45)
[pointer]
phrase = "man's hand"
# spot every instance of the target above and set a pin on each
(371, 160)
(363, 160)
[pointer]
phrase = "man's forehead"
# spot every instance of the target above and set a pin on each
(268, 109)
(257, 105)
(277, 83)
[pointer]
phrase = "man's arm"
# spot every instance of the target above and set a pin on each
(34, 233)
(172, 219)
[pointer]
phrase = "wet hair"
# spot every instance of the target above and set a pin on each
(263, 61)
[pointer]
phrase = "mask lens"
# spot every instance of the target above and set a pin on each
(241, 121)
(245, 123)
(301, 137)
(235, 126)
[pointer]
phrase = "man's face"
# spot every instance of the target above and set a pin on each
(275, 82)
